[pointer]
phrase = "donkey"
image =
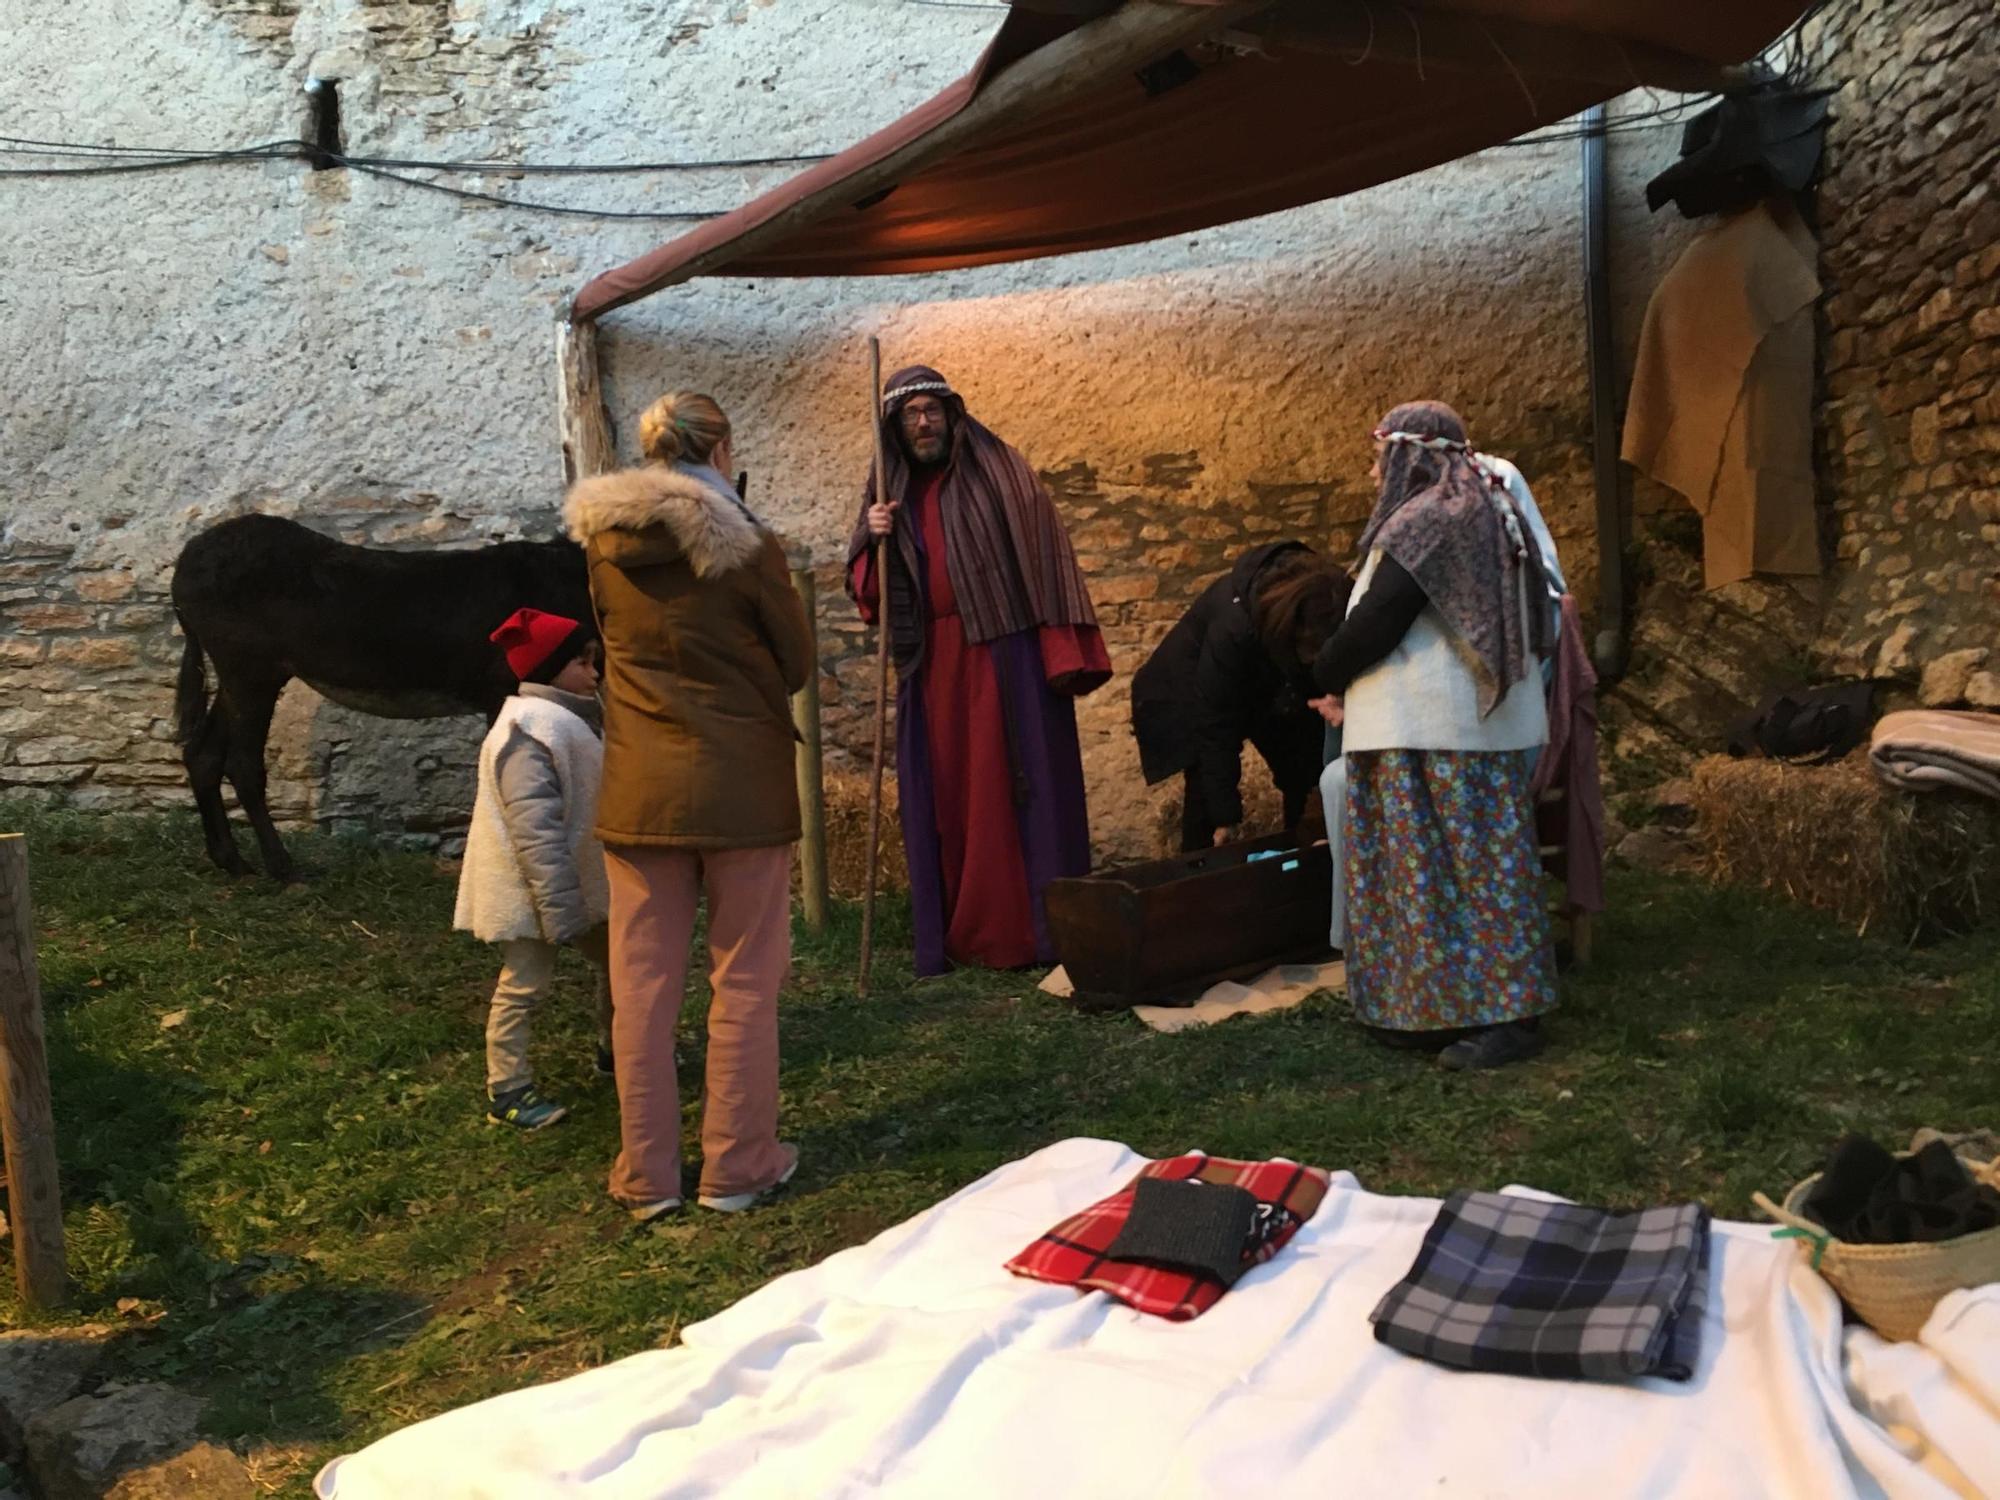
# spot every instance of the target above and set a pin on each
(401, 635)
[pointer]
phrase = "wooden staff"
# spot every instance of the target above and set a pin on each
(33, 1199)
(812, 780)
(881, 671)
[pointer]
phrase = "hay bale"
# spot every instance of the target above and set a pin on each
(1263, 811)
(1906, 866)
(847, 836)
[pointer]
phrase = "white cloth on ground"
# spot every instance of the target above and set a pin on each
(1278, 988)
(916, 1365)
(1940, 1393)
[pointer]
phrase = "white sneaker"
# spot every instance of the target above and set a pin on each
(646, 1213)
(735, 1203)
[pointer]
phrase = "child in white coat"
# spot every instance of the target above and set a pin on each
(533, 878)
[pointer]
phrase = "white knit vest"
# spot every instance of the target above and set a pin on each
(1424, 695)
(494, 902)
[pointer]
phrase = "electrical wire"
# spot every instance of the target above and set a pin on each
(679, 214)
(14, 145)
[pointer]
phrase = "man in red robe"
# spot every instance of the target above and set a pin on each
(994, 638)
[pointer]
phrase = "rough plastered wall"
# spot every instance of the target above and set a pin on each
(377, 359)
(1908, 419)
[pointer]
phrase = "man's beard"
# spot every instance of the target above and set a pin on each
(929, 450)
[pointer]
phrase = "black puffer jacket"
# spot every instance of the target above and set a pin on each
(1211, 685)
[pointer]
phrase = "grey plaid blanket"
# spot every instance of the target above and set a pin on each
(1520, 1287)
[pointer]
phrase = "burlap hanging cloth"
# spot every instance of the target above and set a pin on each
(1721, 405)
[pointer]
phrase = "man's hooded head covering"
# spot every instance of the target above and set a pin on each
(1011, 562)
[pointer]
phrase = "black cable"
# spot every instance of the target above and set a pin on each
(269, 151)
(519, 203)
(534, 169)
(13, 145)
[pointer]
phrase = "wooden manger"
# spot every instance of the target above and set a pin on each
(1160, 933)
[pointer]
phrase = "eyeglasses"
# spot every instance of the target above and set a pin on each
(913, 416)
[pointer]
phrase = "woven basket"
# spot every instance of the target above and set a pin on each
(1893, 1288)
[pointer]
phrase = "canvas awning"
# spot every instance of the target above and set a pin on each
(1091, 123)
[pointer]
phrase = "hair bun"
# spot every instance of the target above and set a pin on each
(682, 425)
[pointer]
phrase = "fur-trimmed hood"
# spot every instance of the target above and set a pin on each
(662, 513)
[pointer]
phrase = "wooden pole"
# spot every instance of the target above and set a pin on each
(587, 446)
(881, 672)
(34, 1201)
(812, 781)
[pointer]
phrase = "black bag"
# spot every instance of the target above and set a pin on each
(1808, 726)
(1747, 148)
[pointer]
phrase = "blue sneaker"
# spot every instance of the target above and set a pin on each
(524, 1109)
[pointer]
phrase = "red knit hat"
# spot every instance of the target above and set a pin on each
(539, 645)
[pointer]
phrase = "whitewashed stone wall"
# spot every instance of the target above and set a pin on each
(377, 360)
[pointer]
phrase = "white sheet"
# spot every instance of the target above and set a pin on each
(916, 1365)
(1940, 1394)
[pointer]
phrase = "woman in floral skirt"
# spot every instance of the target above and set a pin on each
(1435, 681)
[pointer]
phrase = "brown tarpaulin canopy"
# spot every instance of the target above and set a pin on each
(1087, 124)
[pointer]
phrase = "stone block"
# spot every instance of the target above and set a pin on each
(138, 775)
(41, 776)
(105, 588)
(130, 1442)
(45, 617)
(16, 653)
(1924, 424)
(40, 1369)
(1945, 679)
(1982, 690)
(1897, 657)
(1124, 590)
(65, 750)
(95, 652)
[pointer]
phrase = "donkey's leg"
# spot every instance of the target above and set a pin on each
(252, 699)
(204, 756)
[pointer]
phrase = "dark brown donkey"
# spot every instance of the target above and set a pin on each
(402, 635)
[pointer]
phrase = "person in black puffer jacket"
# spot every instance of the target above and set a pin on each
(1237, 667)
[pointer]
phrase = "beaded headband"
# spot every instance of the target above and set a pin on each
(1508, 519)
(916, 388)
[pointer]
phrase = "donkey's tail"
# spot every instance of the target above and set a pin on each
(191, 697)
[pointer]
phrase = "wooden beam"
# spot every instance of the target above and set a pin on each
(1512, 52)
(34, 1199)
(813, 887)
(1071, 67)
(585, 425)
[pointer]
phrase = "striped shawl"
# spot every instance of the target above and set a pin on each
(1010, 557)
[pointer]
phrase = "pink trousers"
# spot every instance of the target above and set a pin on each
(654, 895)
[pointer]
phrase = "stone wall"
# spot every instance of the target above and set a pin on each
(378, 360)
(1908, 419)
(1911, 422)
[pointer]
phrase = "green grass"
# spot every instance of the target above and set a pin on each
(289, 1201)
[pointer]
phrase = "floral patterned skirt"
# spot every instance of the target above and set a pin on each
(1446, 920)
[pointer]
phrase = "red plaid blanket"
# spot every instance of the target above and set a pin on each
(1073, 1253)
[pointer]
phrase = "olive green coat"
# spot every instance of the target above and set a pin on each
(705, 639)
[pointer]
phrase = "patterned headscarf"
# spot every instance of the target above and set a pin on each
(1448, 520)
(1011, 562)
